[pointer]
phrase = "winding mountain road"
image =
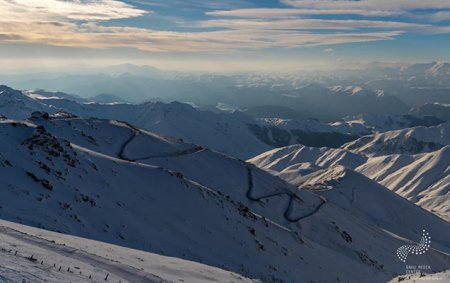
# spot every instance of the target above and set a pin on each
(292, 196)
(137, 132)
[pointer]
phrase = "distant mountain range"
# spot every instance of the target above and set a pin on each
(303, 95)
(439, 110)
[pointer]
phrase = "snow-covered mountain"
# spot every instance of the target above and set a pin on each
(232, 133)
(377, 123)
(36, 255)
(109, 181)
(14, 103)
(423, 178)
(406, 141)
(428, 70)
(282, 132)
(225, 132)
(316, 98)
(287, 159)
(278, 132)
(439, 110)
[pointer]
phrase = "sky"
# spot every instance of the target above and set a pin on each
(223, 35)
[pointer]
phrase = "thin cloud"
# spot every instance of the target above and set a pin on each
(195, 4)
(277, 13)
(398, 6)
(441, 16)
(87, 10)
(308, 24)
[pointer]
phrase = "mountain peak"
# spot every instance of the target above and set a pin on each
(6, 89)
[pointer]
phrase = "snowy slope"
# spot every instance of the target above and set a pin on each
(225, 132)
(405, 141)
(287, 158)
(354, 192)
(63, 258)
(376, 123)
(109, 181)
(422, 178)
(441, 277)
(304, 125)
(15, 104)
